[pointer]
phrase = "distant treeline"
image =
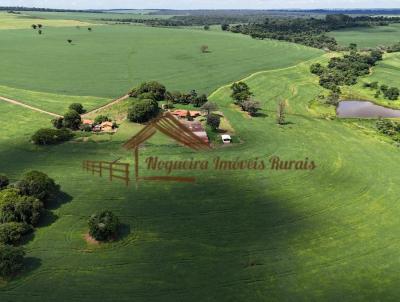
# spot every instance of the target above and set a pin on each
(306, 31)
(199, 20)
(310, 32)
(238, 12)
(37, 9)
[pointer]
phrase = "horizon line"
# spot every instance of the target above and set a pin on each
(205, 9)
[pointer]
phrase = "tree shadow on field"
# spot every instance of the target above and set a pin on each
(260, 115)
(47, 218)
(124, 230)
(216, 239)
(60, 199)
(30, 264)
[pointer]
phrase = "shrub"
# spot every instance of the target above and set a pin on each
(38, 185)
(18, 208)
(388, 127)
(58, 122)
(240, 92)
(251, 107)
(204, 48)
(156, 89)
(48, 136)
(392, 93)
(77, 107)
(11, 259)
(4, 181)
(86, 128)
(209, 107)
(72, 120)
(199, 101)
(143, 111)
(12, 232)
(213, 121)
(100, 119)
(103, 226)
(225, 27)
(317, 69)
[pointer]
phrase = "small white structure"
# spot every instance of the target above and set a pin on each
(226, 139)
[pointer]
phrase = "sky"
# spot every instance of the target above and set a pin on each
(203, 4)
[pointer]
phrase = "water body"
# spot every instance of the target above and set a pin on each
(364, 109)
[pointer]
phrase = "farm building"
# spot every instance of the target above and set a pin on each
(88, 122)
(106, 126)
(179, 113)
(198, 129)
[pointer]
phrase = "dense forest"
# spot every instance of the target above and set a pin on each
(310, 32)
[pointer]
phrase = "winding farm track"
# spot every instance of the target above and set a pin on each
(19, 103)
(15, 102)
(107, 105)
(124, 97)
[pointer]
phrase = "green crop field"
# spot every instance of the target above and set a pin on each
(368, 36)
(94, 17)
(22, 21)
(330, 234)
(246, 235)
(109, 61)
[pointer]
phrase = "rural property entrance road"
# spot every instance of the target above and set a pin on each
(15, 102)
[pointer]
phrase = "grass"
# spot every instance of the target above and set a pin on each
(23, 21)
(319, 235)
(368, 36)
(386, 72)
(111, 60)
(93, 17)
(51, 102)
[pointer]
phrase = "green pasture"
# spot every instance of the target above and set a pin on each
(386, 72)
(93, 17)
(110, 60)
(324, 235)
(368, 36)
(51, 102)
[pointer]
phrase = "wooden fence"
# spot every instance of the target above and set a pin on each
(112, 170)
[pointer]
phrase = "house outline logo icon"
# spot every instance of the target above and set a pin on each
(165, 123)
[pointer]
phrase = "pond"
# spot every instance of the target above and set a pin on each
(364, 109)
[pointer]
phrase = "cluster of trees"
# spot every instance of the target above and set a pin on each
(49, 136)
(22, 204)
(389, 128)
(63, 127)
(192, 98)
(391, 93)
(190, 20)
(394, 48)
(213, 121)
(39, 27)
(143, 110)
(148, 94)
(345, 70)
(307, 31)
(103, 226)
(241, 95)
(72, 118)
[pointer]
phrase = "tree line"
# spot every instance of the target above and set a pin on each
(22, 205)
(311, 31)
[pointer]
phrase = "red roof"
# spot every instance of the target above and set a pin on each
(87, 122)
(183, 113)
